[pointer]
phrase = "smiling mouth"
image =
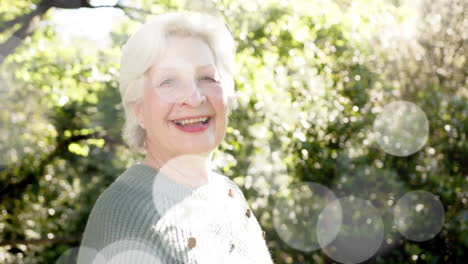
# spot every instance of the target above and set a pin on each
(192, 122)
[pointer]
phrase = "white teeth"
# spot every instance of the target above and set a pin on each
(190, 121)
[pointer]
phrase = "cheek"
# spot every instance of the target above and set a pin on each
(216, 91)
(220, 106)
(219, 100)
(157, 109)
(221, 120)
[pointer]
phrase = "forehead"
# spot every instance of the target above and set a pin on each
(185, 51)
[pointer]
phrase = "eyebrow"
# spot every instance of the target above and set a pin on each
(200, 67)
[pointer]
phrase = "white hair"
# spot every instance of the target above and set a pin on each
(144, 48)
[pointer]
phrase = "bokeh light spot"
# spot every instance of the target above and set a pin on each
(87, 255)
(127, 251)
(178, 188)
(134, 256)
(361, 230)
(297, 211)
(419, 215)
(401, 129)
(198, 207)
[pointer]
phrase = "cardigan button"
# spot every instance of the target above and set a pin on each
(231, 193)
(192, 242)
(248, 213)
(232, 248)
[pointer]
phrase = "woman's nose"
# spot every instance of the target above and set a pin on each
(195, 95)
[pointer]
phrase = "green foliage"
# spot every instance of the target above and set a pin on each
(311, 78)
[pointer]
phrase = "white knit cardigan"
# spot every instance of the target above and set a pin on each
(145, 217)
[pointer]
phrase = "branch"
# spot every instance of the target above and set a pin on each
(29, 23)
(139, 10)
(16, 20)
(129, 9)
(75, 4)
(66, 4)
(41, 241)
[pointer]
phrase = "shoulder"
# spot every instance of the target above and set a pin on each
(222, 178)
(130, 192)
(117, 211)
(134, 184)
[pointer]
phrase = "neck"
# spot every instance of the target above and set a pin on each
(191, 170)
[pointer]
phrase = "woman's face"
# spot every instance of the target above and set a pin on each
(184, 106)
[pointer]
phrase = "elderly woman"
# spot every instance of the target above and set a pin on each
(176, 81)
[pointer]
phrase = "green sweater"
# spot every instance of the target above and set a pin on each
(145, 217)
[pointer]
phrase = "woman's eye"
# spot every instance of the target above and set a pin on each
(207, 78)
(167, 82)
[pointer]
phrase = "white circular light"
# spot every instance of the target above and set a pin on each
(179, 191)
(360, 234)
(419, 215)
(401, 129)
(381, 186)
(134, 256)
(297, 211)
(87, 255)
(128, 251)
(198, 206)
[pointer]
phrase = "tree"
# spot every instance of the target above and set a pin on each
(31, 15)
(311, 79)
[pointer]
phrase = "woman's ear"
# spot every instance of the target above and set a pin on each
(138, 112)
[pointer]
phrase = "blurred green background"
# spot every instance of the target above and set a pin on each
(311, 78)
